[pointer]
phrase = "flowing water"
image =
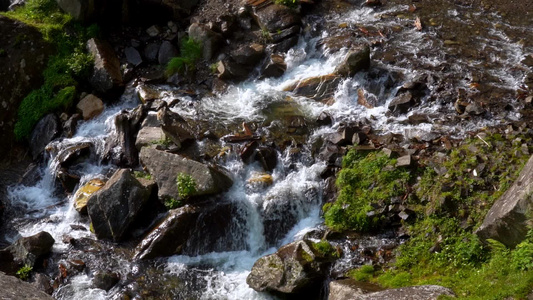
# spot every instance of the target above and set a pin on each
(293, 202)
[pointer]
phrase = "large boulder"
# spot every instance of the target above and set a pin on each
(14, 288)
(25, 251)
(23, 61)
(349, 289)
(507, 220)
(175, 127)
(166, 52)
(43, 133)
(117, 205)
(276, 17)
(293, 269)
(165, 167)
(169, 236)
(106, 76)
(320, 88)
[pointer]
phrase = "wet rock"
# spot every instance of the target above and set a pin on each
(333, 44)
(268, 158)
(105, 280)
(324, 119)
(166, 52)
(280, 35)
(43, 283)
(117, 205)
(276, 17)
(175, 127)
(14, 288)
(164, 167)
(357, 59)
(120, 147)
(275, 66)
(474, 109)
(228, 69)
(345, 289)
(507, 219)
(133, 56)
(292, 269)
(69, 154)
(248, 151)
(106, 76)
(402, 103)
(68, 180)
(43, 133)
(25, 251)
(169, 236)
(320, 88)
(90, 106)
(210, 40)
(151, 51)
(70, 125)
(148, 136)
(84, 193)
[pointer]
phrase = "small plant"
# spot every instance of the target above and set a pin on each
(288, 3)
(172, 203)
(325, 249)
(186, 185)
(142, 174)
(191, 52)
(364, 273)
(265, 36)
(24, 272)
(213, 68)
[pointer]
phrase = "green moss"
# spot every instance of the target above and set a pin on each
(69, 65)
(141, 174)
(364, 273)
(190, 53)
(364, 180)
(324, 249)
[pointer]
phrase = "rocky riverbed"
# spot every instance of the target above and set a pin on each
(209, 183)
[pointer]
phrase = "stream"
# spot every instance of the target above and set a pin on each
(483, 59)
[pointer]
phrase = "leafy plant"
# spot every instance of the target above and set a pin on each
(24, 272)
(172, 203)
(190, 53)
(141, 174)
(186, 185)
(288, 3)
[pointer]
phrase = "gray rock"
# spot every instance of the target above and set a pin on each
(105, 280)
(274, 17)
(320, 88)
(169, 236)
(507, 219)
(474, 109)
(166, 166)
(402, 102)
(357, 59)
(228, 69)
(166, 52)
(275, 66)
(133, 56)
(14, 288)
(151, 51)
(345, 289)
(106, 74)
(210, 40)
(175, 127)
(148, 136)
(80, 10)
(42, 283)
(292, 269)
(117, 205)
(153, 31)
(120, 147)
(248, 54)
(25, 251)
(43, 133)
(404, 161)
(421, 292)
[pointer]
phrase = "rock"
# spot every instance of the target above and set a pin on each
(210, 40)
(166, 52)
(357, 59)
(402, 103)
(474, 109)
(292, 269)
(507, 219)
(117, 205)
(148, 136)
(248, 55)
(106, 76)
(84, 193)
(67, 155)
(248, 151)
(324, 119)
(42, 283)
(69, 127)
(320, 88)
(268, 158)
(133, 56)
(105, 280)
(80, 10)
(276, 17)
(153, 31)
(14, 288)
(228, 69)
(166, 166)
(422, 292)
(404, 161)
(169, 236)
(175, 127)
(284, 34)
(345, 289)
(120, 147)
(25, 251)
(275, 66)
(90, 106)
(23, 62)
(43, 133)
(151, 51)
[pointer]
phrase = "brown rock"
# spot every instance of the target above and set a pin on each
(90, 106)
